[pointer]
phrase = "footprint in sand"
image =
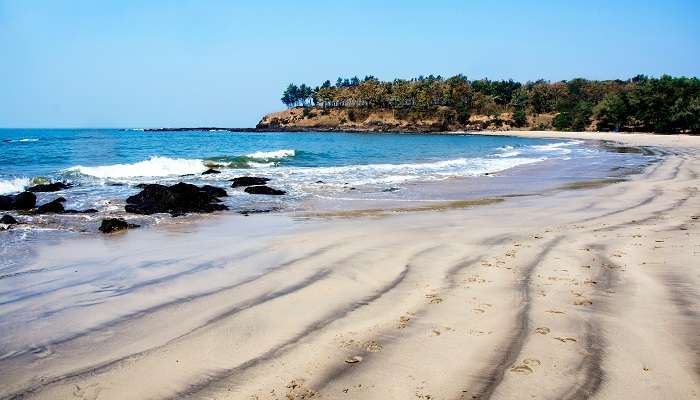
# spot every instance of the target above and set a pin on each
(527, 366)
(433, 298)
(542, 330)
(403, 321)
(584, 302)
(354, 359)
(478, 310)
(555, 312)
(373, 347)
(565, 339)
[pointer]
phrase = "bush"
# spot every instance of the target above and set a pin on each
(562, 121)
(463, 114)
(351, 115)
(519, 118)
(343, 120)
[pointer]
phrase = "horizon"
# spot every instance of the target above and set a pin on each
(127, 65)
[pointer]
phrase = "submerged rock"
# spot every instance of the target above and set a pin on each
(264, 190)
(52, 207)
(214, 191)
(8, 220)
(211, 171)
(50, 187)
(110, 225)
(176, 200)
(248, 181)
(22, 201)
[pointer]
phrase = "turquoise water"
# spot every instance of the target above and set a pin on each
(105, 164)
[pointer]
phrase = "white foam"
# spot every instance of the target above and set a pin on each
(272, 155)
(14, 185)
(155, 166)
(397, 173)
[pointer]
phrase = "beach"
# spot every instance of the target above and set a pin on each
(587, 291)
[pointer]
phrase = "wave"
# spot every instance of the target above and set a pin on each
(397, 173)
(14, 185)
(24, 140)
(154, 166)
(272, 155)
(259, 159)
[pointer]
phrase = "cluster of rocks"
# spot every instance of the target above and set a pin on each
(175, 200)
(256, 185)
(178, 199)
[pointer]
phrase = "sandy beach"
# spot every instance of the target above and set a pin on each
(571, 294)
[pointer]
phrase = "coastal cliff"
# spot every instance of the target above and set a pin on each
(439, 119)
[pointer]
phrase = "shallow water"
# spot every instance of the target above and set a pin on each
(314, 168)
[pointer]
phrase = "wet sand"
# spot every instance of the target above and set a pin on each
(572, 294)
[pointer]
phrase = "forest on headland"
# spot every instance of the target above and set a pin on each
(665, 105)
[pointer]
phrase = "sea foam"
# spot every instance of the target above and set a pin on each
(154, 166)
(14, 185)
(272, 155)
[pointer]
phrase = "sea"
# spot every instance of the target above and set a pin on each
(339, 168)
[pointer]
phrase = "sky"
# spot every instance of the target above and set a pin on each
(177, 63)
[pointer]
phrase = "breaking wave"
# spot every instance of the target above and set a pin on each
(154, 166)
(14, 185)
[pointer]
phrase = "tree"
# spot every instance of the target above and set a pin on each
(612, 112)
(519, 118)
(562, 121)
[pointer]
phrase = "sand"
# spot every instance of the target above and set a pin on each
(586, 293)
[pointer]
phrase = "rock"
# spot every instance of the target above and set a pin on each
(54, 206)
(214, 191)
(8, 220)
(50, 187)
(264, 190)
(88, 211)
(248, 181)
(110, 225)
(176, 200)
(211, 171)
(22, 201)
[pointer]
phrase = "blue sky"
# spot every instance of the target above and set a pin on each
(224, 63)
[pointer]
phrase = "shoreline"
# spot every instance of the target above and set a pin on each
(573, 294)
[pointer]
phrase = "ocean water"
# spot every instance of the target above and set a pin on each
(104, 165)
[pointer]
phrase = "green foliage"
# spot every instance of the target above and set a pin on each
(562, 121)
(664, 104)
(519, 118)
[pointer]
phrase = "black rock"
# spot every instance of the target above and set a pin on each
(22, 201)
(8, 220)
(211, 171)
(54, 206)
(88, 211)
(264, 190)
(214, 191)
(51, 187)
(110, 225)
(177, 200)
(248, 181)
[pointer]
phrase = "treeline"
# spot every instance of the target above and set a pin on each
(665, 104)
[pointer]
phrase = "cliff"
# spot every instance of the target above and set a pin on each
(438, 119)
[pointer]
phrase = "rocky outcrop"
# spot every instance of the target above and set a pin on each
(242, 181)
(21, 201)
(176, 200)
(211, 171)
(264, 190)
(110, 225)
(52, 207)
(8, 220)
(49, 187)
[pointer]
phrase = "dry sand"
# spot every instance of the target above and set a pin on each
(590, 293)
